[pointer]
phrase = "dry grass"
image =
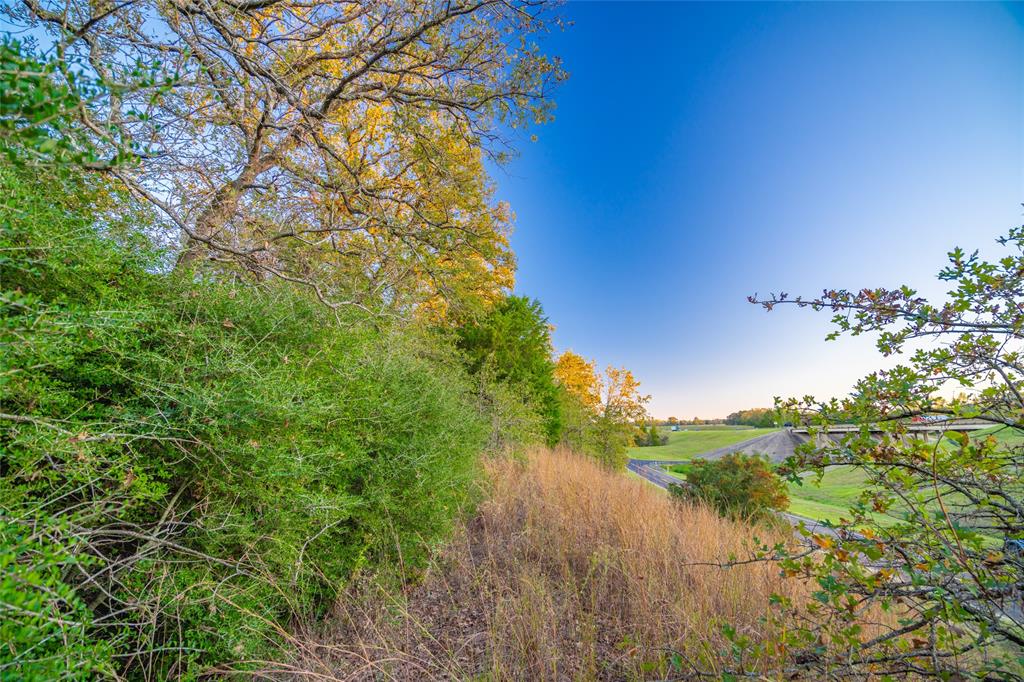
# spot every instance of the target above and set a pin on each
(566, 572)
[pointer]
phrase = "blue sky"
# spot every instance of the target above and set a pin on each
(705, 152)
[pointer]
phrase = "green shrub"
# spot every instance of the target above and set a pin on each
(41, 614)
(215, 457)
(737, 485)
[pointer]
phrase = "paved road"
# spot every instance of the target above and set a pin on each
(654, 471)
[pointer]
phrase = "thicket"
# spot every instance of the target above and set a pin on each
(188, 463)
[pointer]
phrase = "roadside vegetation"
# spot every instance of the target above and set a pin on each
(825, 500)
(830, 498)
(270, 406)
(953, 560)
(650, 436)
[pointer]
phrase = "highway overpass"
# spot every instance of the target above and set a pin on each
(925, 428)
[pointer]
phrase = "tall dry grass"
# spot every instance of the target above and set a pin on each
(567, 571)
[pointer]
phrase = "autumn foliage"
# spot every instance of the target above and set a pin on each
(257, 318)
(602, 413)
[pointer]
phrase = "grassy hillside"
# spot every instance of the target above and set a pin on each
(1003, 434)
(831, 498)
(838, 489)
(567, 572)
(827, 500)
(687, 444)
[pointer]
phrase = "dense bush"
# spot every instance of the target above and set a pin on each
(185, 464)
(737, 485)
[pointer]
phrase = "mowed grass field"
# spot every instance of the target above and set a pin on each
(688, 444)
(1003, 434)
(831, 498)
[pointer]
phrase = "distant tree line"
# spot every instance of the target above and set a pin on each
(696, 421)
(760, 417)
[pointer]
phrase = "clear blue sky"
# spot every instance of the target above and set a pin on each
(704, 152)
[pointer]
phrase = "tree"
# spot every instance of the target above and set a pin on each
(38, 113)
(623, 409)
(649, 437)
(761, 417)
(217, 465)
(580, 398)
(622, 400)
(602, 413)
(337, 144)
(512, 345)
(936, 534)
(654, 437)
(579, 378)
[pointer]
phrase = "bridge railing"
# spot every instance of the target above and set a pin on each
(934, 426)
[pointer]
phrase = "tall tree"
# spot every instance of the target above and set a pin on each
(512, 345)
(622, 414)
(335, 143)
(622, 400)
(601, 413)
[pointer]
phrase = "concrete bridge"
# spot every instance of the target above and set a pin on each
(924, 428)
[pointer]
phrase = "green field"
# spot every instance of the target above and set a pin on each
(1003, 434)
(830, 499)
(827, 500)
(838, 491)
(711, 427)
(687, 444)
(841, 485)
